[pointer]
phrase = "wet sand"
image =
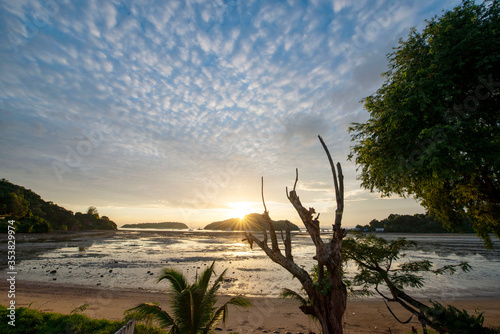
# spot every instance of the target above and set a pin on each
(266, 315)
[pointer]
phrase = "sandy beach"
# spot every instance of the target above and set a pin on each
(268, 315)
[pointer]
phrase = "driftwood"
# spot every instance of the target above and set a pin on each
(327, 295)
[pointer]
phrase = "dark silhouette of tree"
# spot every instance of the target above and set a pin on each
(326, 293)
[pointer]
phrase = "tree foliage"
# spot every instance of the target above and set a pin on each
(418, 223)
(378, 270)
(193, 305)
(433, 131)
(31, 321)
(33, 214)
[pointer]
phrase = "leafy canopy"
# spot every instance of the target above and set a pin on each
(433, 131)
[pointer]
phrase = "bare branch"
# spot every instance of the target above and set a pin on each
(262, 193)
(330, 307)
(285, 262)
(339, 189)
(288, 242)
(296, 178)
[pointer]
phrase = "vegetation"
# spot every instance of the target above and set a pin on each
(33, 214)
(30, 321)
(251, 222)
(193, 305)
(418, 223)
(433, 129)
(378, 270)
(164, 225)
(326, 292)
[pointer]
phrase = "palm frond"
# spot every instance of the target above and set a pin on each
(287, 293)
(183, 309)
(239, 301)
(163, 318)
(216, 286)
(222, 312)
(176, 279)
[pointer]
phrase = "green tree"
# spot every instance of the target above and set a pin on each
(433, 131)
(377, 268)
(92, 213)
(193, 305)
(40, 225)
(17, 206)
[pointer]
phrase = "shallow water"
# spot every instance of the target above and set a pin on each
(133, 259)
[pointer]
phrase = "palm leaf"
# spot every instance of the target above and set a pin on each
(287, 293)
(163, 318)
(239, 301)
(176, 279)
(216, 286)
(184, 310)
(207, 305)
(222, 312)
(205, 276)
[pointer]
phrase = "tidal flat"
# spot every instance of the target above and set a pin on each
(132, 259)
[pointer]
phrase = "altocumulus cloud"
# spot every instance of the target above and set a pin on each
(181, 105)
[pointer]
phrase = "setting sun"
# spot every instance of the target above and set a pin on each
(239, 209)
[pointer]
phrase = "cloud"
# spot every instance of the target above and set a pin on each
(149, 102)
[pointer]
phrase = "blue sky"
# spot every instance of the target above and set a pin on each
(173, 110)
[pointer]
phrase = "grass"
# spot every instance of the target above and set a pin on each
(30, 321)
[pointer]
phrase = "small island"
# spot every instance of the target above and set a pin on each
(163, 225)
(251, 222)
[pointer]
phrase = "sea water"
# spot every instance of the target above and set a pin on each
(133, 259)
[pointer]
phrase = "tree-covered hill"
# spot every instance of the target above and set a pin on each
(165, 225)
(418, 223)
(251, 222)
(33, 214)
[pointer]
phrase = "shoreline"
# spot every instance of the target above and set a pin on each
(267, 313)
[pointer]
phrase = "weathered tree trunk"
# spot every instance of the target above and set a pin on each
(328, 295)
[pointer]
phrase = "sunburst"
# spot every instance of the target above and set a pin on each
(239, 209)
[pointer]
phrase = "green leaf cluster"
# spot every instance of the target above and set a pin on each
(458, 321)
(193, 305)
(375, 258)
(30, 321)
(433, 131)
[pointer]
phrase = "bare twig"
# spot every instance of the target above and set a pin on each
(262, 193)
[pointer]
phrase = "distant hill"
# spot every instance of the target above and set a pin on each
(418, 223)
(33, 214)
(164, 225)
(251, 222)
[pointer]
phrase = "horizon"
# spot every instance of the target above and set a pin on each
(173, 111)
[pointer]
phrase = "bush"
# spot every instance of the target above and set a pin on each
(30, 321)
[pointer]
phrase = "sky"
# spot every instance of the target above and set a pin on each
(158, 111)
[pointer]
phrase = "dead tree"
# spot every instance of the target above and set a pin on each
(327, 294)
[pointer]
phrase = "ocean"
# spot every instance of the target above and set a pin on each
(132, 259)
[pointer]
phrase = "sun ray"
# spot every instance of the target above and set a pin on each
(238, 209)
